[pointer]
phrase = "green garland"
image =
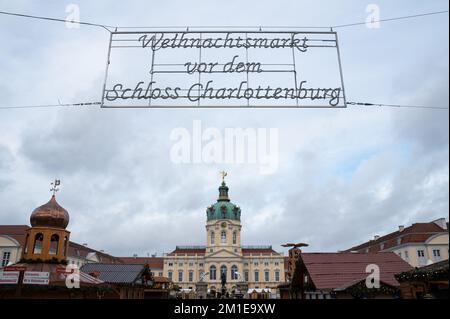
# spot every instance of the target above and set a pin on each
(360, 290)
(54, 260)
(423, 275)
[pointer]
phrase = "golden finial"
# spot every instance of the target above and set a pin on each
(223, 173)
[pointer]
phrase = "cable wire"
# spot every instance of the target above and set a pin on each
(390, 19)
(108, 27)
(57, 20)
(397, 105)
(50, 105)
(99, 103)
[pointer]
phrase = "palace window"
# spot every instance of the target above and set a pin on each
(212, 272)
(223, 237)
(437, 254)
(256, 275)
(5, 259)
(234, 238)
(234, 270)
(170, 264)
(223, 270)
(213, 235)
(246, 275)
(266, 275)
(170, 275)
(191, 276)
(180, 276)
(277, 263)
(420, 253)
(277, 276)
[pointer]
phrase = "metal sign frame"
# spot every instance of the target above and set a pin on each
(116, 33)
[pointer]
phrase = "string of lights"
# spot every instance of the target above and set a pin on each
(259, 28)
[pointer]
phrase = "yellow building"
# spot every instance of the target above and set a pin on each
(420, 244)
(258, 266)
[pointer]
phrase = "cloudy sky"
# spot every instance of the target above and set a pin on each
(343, 175)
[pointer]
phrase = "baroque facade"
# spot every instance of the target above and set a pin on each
(259, 266)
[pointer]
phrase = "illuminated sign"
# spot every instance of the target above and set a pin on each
(223, 69)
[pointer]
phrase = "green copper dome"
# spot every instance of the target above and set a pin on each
(223, 208)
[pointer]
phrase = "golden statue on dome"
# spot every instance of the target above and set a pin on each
(223, 174)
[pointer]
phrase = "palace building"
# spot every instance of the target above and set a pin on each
(258, 266)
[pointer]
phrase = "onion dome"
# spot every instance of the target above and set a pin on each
(50, 215)
(223, 208)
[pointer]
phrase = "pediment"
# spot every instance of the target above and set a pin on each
(223, 253)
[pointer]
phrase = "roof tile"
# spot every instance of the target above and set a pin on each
(334, 270)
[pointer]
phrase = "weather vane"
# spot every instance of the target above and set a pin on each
(223, 173)
(55, 185)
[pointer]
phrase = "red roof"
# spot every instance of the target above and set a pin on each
(153, 262)
(15, 231)
(418, 232)
(339, 270)
(77, 250)
(258, 251)
(199, 251)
